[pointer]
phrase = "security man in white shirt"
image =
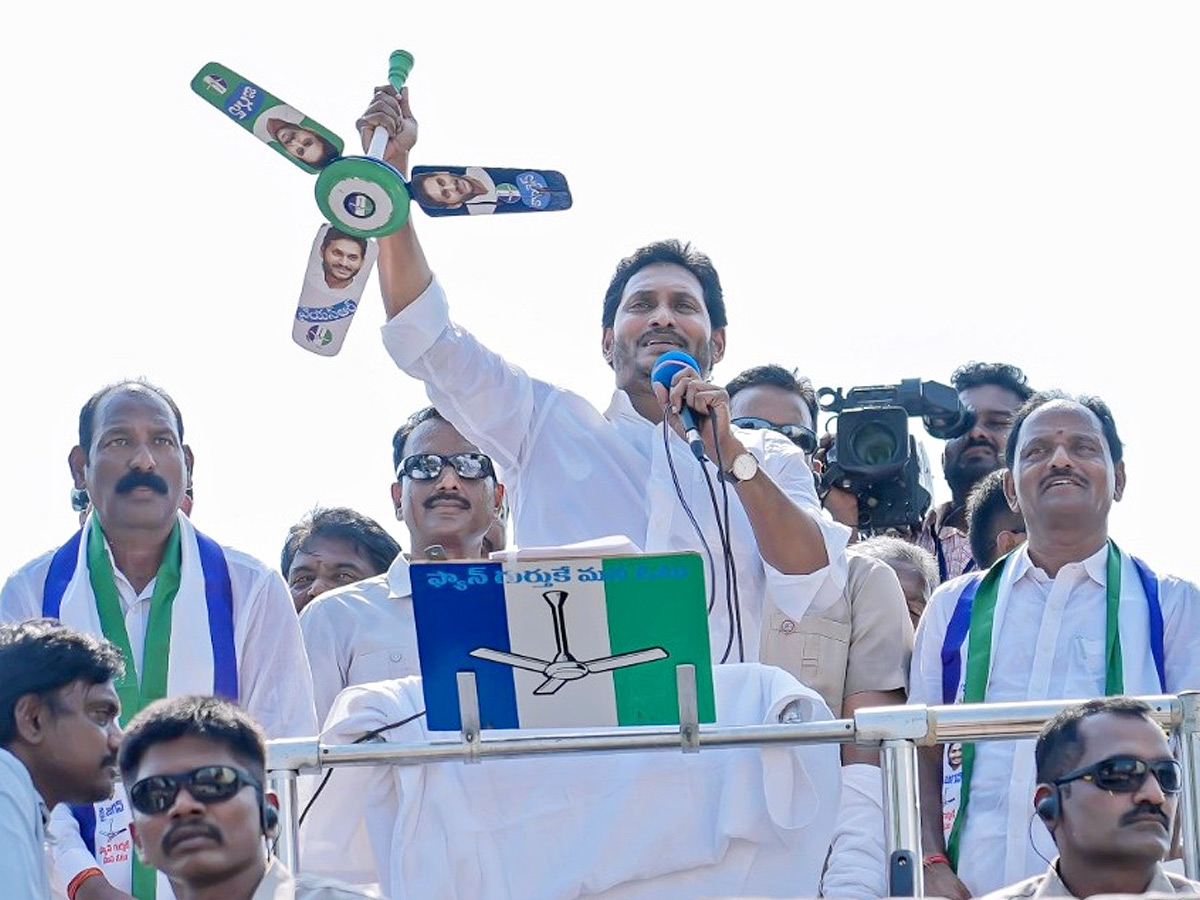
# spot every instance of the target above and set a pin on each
(447, 493)
(1108, 790)
(1067, 614)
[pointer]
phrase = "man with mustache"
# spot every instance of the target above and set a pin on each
(195, 767)
(448, 495)
(58, 739)
(582, 473)
(1066, 614)
(188, 615)
(1108, 789)
(993, 391)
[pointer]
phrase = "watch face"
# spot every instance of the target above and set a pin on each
(744, 467)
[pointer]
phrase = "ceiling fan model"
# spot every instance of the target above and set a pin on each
(564, 666)
(363, 197)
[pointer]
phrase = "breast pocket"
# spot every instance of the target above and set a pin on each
(814, 649)
(378, 665)
(1086, 669)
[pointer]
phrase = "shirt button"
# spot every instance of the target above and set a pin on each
(396, 656)
(788, 626)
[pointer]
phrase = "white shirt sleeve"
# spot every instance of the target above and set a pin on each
(1180, 601)
(327, 654)
(68, 853)
(857, 865)
(925, 678)
(494, 404)
(23, 863)
(274, 680)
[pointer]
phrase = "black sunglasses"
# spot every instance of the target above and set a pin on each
(428, 466)
(208, 784)
(1125, 774)
(802, 437)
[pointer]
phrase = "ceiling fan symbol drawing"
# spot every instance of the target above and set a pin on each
(364, 197)
(564, 666)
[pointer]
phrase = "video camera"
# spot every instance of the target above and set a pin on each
(875, 458)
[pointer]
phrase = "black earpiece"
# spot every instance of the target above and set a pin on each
(270, 818)
(79, 499)
(1049, 806)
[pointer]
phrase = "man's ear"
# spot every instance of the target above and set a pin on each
(29, 718)
(189, 462)
(1010, 491)
(717, 342)
(606, 345)
(137, 840)
(77, 461)
(498, 499)
(398, 500)
(1007, 541)
(1119, 486)
(270, 814)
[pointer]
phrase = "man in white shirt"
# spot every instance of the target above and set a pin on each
(365, 632)
(188, 615)
(578, 474)
(1065, 615)
(1108, 790)
(58, 739)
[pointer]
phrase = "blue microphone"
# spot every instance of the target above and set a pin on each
(663, 372)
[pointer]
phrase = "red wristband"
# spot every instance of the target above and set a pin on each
(933, 859)
(79, 879)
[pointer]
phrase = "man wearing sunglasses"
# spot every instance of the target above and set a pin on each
(447, 494)
(1108, 788)
(1066, 614)
(583, 473)
(195, 768)
(853, 646)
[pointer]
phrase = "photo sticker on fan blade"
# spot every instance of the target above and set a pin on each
(478, 190)
(286, 130)
(339, 268)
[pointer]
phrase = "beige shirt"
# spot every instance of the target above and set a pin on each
(279, 884)
(1048, 884)
(862, 641)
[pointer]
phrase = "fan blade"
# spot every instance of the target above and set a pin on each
(336, 276)
(608, 663)
(483, 190)
(286, 130)
(549, 686)
(510, 659)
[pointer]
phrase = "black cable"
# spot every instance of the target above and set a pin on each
(721, 536)
(364, 739)
(712, 566)
(730, 563)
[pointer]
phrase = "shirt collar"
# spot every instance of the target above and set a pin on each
(398, 579)
(1096, 565)
(621, 407)
(1053, 885)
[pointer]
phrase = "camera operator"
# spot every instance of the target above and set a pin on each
(850, 646)
(993, 391)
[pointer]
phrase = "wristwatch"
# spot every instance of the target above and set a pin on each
(745, 467)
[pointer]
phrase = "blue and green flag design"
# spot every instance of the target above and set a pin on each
(563, 643)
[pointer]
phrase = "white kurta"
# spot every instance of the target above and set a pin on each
(576, 474)
(362, 632)
(628, 826)
(1048, 643)
(274, 683)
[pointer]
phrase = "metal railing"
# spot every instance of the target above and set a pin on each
(896, 730)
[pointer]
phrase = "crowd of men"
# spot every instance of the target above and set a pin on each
(1012, 590)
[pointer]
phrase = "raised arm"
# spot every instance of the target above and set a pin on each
(404, 273)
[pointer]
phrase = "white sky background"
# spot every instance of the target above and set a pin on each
(887, 189)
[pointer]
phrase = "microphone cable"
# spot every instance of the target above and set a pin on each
(735, 601)
(712, 580)
(367, 738)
